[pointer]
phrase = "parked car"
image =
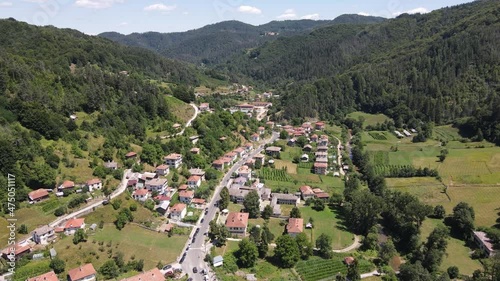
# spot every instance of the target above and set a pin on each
(168, 266)
(202, 220)
(195, 270)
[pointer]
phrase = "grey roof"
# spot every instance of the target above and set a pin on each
(238, 192)
(43, 230)
(93, 226)
(164, 205)
(53, 252)
(284, 196)
(218, 259)
(111, 164)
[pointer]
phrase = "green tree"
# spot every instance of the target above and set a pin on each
(318, 205)
(324, 246)
(23, 229)
(370, 242)
(362, 211)
(267, 212)
(263, 246)
(267, 232)
(119, 259)
(79, 236)
(175, 177)
(414, 272)
(295, 212)
(283, 135)
(439, 212)
(247, 253)
(387, 251)
(353, 271)
(463, 219)
(58, 265)
(286, 252)
(224, 198)
(453, 272)
(255, 234)
(60, 211)
(252, 204)
(109, 269)
(304, 245)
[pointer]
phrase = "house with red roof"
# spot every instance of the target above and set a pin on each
(150, 275)
(173, 160)
(194, 181)
(16, 252)
(130, 155)
(73, 225)
(66, 185)
(218, 164)
(178, 211)
(49, 276)
(320, 125)
(162, 170)
(204, 107)
(38, 195)
(185, 196)
(84, 272)
(295, 226)
(237, 223)
(141, 194)
(306, 192)
(320, 168)
(255, 137)
(94, 184)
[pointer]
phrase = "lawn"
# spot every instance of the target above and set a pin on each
(327, 222)
(274, 225)
(481, 198)
(132, 241)
(457, 254)
(32, 269)
(328, 183)
(370, 119)
(108, 214)
(290, 167)
(231, 246)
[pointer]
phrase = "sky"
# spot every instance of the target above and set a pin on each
(127, 16)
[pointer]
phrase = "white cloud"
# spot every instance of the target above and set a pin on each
(310, 17)
(288, 14)
(160, 7)
(419, 10)
(185, 13)
(96, 4)
(5, 4)
(364, 14)
(123, 23)
(249, 10)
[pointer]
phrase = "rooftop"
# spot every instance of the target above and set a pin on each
(81, 272)
(179, 207)
(295, 225)
(39, 193)
(150, 275)
(237, 220)
(49, 276)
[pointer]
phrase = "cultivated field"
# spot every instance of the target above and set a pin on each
(290, 167)
(316, 268)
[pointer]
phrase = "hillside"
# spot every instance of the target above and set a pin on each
(440, 67)
(218, 42)
(48, 74)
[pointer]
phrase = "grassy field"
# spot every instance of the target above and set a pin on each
(479, 197)
(180, 109)
(274, 225)
(370, 119)
(132, 241)
(327, 222)
(457, 253)
(32, 269)
(289, 166)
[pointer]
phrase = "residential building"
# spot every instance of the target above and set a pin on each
(240, 152)
(304, 158)
(130, 155)
(306, 192)
(173, 160)
(43, 234)
(231, 155)
(322, 195)
(204, 107)
(295, 226)
(150, 275)
(240, 181)
(185, 196)
(484, 242)
(236, 223)
(255, 137)
(157, 184)
(66, 185)
(249, 147)
(94, 184)
(270, 124)
(314, 138)
(245, 172)
(323, 141)
(261, 130)
(85, 272)
(198, 202)
(250, 163)
(227, 161)
(320, 168)
(38, 195)
(141, 194)
(237, 195)
(273, 151)
(260, 158)
(178, 211)
(111, 165)
(49, 276)
(197, 172)
(245, 108)
(195, 150)
(73, 225)
(284, 199)
(322, 148)
(307, 148)
(291, 142)
(20, 250)
(183, 187)
(162, 170)
(194, 181)
(218, 165)
(320, 125)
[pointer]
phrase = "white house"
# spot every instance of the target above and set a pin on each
(194, 181)
(141, 194)
(173, 160)
(94, 184)
(157, 184)
(178, 211)
(73, 225)
(83, 273)
(43, 234)
(162, 170)
(185, 196)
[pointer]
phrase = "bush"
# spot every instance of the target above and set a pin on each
(453, 272)
(60, 211)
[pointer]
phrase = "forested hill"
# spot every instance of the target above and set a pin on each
(47, 74)
(218, 42)
(442, 67)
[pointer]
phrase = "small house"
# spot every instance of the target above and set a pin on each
(66, 185)
(273, 151)
(185, 196)
(94, 184)
(131, 155)
(162, 170)
(255, 137)
(178, 211)
(320, 168)
(38, 195)
(43, 234)
(111, 165)
(157, 184)
(173, 160)
(236, 223)
(49, 276)
(306, 192)
(195, 150)
(73, 225)
(197, 172)
(194, 181)
(85, 272)
(141, 194)
(218, 165)
(295, 226)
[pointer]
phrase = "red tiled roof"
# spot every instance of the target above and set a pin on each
(151, 275)
(194, 179)
(173, 156)
(37, 194)
(198, 201)
(305, 189)
(162, 167)
(237, 220)
(348, 260)
(81, 272)
(74, 223)
(49, 276)
(68, 184)
(140, 192)
(19, 249)
(183, 187)
(322, 195)
(218, 162)
(320, 165)
(93, 181)
(131, 154)
(186, 193)
(295, 225)
(178, 207)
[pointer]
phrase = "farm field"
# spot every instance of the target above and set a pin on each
(457, 253)
(132, 241)
(479, 197)
(316, 268)
(290, 167)
(327, 222)
(370, 119)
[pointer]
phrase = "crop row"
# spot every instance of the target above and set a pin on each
(275, 175)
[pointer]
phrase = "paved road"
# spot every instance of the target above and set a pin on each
(356, 244)
(339, 156)
(198, 249)
(188, 123)
(121, 188)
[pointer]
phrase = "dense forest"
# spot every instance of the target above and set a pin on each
(441, 67)
(47, 74)
(216, 43)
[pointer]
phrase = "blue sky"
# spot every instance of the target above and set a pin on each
(127, 16)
